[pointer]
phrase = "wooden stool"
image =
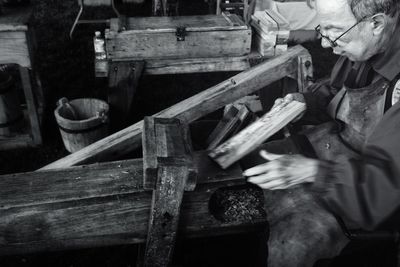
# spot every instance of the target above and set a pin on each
(17, 47)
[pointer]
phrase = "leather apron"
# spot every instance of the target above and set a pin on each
(356, 112)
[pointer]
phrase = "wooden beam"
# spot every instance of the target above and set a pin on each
(195, 107)
(101, 205)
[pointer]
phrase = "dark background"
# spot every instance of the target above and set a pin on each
(66, 70)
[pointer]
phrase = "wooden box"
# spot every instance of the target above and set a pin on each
(178, 37)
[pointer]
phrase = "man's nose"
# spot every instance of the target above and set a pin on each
(325, 43)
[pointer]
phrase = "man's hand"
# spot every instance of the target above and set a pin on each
(288, 98)
(282, 171)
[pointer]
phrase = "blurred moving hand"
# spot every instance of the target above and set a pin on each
(282, 171)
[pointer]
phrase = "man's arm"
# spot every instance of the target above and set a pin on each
(363, 191)
(367, 190)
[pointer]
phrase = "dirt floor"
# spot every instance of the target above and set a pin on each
(66, 70)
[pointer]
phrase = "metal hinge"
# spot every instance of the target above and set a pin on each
(180, 33)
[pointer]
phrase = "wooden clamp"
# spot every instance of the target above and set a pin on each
(166, 142)
(256, 133)
(168, 167)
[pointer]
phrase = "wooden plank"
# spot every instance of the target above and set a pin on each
(226, 92)
(196, 65)
(14, 48)
(181, 66)
(102, 204)
(192, 23)
(229, 128)
(226, 118)
(164, 218)
(165, 141)
(255, 134)
(144, 45)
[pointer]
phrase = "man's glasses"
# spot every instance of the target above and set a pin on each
(333, 43)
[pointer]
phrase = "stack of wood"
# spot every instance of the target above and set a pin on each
(256, 133)
(271, 32)
(235, 118)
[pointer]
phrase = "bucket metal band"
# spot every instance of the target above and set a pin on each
(90, 129)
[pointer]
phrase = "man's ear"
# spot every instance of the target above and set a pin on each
(379, 22)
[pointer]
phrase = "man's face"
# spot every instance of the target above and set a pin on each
(335, 18)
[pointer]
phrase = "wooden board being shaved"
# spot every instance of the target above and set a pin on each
(255, 134)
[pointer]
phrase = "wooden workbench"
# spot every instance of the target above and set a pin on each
(16, 47)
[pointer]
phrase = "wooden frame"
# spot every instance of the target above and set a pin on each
(242, 84)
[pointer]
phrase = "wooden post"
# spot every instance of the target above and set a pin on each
(226, 92)
(31, 105)
(305, 73)
(123, 81)
(164, 217)
(159, 7)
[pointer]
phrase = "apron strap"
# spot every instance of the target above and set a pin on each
(335, 103)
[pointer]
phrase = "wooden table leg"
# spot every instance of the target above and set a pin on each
(31, 105)
(123, 82)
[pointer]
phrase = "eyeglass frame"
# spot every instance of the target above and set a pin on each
(333, 43)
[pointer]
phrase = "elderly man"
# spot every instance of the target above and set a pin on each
(350, 162)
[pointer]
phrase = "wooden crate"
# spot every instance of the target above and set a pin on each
(177, 37)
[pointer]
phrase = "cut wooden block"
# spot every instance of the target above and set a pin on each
(255, 134)
(229, 114)
(227, 128)
(166, 141)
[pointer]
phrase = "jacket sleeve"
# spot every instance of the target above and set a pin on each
(320, 94)
(317, 99)
(366, 191)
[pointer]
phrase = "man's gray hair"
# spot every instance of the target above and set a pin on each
(365, 8)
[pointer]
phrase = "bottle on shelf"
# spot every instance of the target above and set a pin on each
(99, 47)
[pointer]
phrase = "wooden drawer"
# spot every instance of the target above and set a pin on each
(178, 37)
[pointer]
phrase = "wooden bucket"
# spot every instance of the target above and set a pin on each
(81, 121)
(11, 115)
